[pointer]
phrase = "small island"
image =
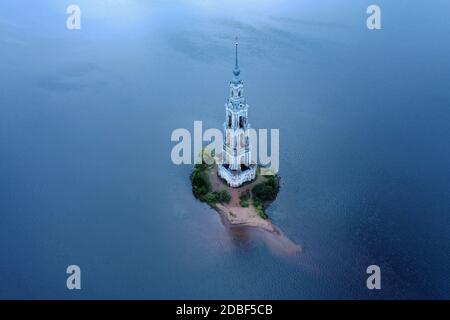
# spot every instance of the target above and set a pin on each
(243, 206)
(231, 181)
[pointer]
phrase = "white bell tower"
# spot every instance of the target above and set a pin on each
(236, 167)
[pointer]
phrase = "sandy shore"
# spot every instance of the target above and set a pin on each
(236, 216)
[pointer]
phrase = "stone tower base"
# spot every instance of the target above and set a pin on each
(236, 178)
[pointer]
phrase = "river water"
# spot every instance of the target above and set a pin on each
(86, 176)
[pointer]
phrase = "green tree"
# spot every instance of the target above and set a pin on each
(200, 182)
(224, 197)
(267, 190)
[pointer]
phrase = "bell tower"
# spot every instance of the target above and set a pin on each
(236, 167)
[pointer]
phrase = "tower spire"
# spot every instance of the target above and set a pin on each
(236, 44)
(236, 70)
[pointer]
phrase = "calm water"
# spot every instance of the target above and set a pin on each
(85, 170)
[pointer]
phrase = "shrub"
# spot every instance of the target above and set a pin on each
(224, 196)
(244, 196)
(260, 210)
(257, 202)
(200, 181)
(243, 203)
(211, 198)
(264, 192)
(267, 190)
(200, 166)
